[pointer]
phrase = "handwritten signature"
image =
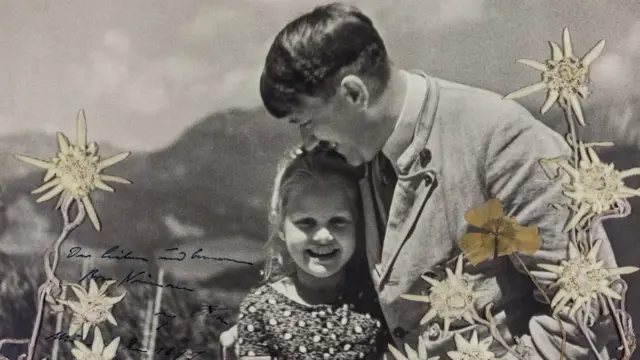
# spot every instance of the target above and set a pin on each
(134, 277)
(204, 310)
(173, 254)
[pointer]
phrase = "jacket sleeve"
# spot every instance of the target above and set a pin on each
(514, 176)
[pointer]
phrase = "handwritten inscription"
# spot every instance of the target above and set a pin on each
(63, 336)
(214, 311)
(171, 254)
(174, 352)
(133, 277)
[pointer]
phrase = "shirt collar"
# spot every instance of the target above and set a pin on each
(402, 135)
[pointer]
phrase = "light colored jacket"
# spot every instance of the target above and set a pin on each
(470, 145)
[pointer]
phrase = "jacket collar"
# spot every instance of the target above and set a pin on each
(403, 134)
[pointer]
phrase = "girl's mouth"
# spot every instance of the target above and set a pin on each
(322, 252)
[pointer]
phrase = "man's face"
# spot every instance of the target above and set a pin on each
(340, 123)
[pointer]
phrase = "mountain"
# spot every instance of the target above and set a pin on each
(209, 189)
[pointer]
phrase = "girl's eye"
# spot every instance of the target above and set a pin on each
(305, 223)
(340, 221)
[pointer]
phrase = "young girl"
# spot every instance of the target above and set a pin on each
(317, 300)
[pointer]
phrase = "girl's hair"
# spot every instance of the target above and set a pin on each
(301, 168)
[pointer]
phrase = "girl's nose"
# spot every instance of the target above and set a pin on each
(323, 235)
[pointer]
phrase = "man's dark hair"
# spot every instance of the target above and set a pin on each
(312, 54)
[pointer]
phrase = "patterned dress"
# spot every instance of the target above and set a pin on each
(271, 324)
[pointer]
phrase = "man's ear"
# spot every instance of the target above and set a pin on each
(353, 89)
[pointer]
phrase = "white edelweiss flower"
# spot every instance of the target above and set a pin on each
(421, 354)
(451, 299)
(98, 351)
(565, 76)
(472, 349)
(581, 278)
(92, 308)
(594, 187)
(76, 170)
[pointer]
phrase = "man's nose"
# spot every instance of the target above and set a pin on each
(323, 235)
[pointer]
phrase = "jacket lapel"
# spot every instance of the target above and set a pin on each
(416, 181)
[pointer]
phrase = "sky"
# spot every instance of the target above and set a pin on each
(144, 71)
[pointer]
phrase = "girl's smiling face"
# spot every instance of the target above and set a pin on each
(319, 228)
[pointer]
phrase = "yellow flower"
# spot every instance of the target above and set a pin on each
(92, 308)
(76, 170)
(451, 299)
(580, 278)
(503, 234)
(98, 351)
(564, 76)
(472, 349)
(594, 187)
(421, 354)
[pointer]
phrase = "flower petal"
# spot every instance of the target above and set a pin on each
(33, 161)
(431, 281)
(421, 298)
(447, 325)
(63, 143)
(46, 186)
(556, 51)
(477, 247)
(552, 97)
(396, 353)
(102, 186)
(527, 239)
(428, 316)
(111, 319)
(533, 64)
(605, 290)
(584, 209)
(593, 54)
(412, 354)
(527, 90)
(422, 348)
(79, 355)
(49, 174)
(51, 194)
(576, 305)
(114, 179)
(109, 352)
(113, 160)
(625, 270)
(558, 296)
(98, 342)
(85, 330)
(566, 43)
(81, 130)
(490, 210)
(91, 211)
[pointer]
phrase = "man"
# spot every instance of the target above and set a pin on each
(432, 150)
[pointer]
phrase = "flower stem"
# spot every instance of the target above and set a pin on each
(154, 321)
(623, 338)
(496, 335)
(51, 267)
(544, 294)
(574, 150)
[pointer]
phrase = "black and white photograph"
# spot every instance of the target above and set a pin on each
(298, 179)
